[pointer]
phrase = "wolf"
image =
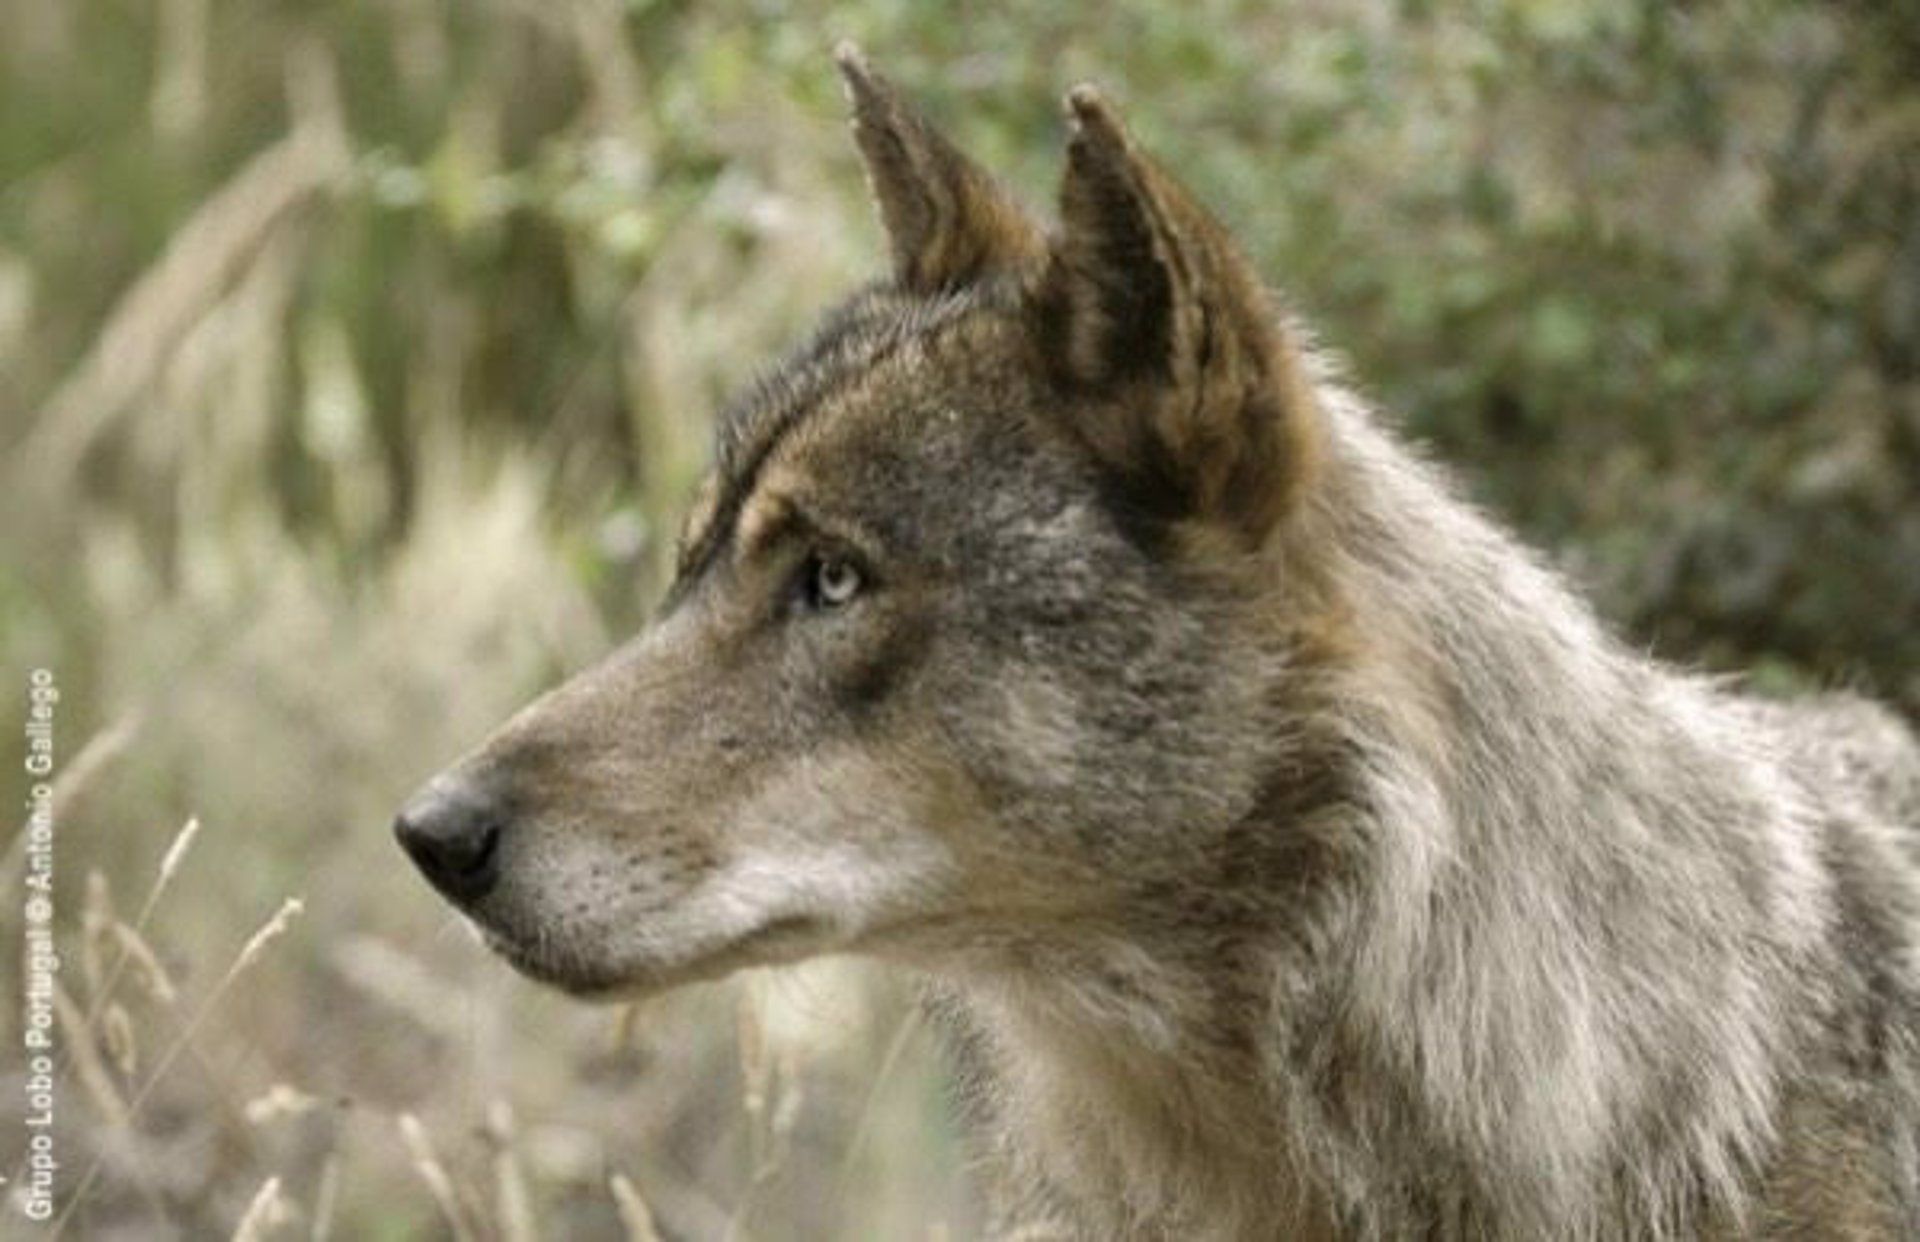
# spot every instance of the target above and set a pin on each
(1288, 853)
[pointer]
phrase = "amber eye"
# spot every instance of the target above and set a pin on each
(831, 581)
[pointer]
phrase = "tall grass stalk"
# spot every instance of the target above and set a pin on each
(250, 952)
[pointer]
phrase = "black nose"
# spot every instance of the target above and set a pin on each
(452, 833)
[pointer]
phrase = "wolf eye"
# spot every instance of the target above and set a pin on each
(831, 581)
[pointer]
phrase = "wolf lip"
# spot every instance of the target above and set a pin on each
(778, 940)
(543, 967)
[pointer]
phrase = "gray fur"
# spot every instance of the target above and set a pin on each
(1289, 852)
(1610, 952)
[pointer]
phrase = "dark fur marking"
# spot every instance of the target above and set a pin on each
(779, 402)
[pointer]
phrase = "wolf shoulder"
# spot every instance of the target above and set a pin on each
(1849, 1120)
(1847, 749)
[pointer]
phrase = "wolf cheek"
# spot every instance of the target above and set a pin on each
(1290, 853)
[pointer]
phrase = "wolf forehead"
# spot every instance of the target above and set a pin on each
(852, 344)
(849, 343)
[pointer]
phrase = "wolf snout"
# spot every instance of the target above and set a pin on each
(452, 829)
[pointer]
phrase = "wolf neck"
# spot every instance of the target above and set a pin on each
(1461, 1014)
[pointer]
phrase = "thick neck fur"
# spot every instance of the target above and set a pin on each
(1524, 959)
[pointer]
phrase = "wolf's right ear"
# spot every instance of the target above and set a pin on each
(1147, 309)
(947, 221)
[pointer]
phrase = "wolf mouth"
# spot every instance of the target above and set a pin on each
(544, 964)
(785, 938)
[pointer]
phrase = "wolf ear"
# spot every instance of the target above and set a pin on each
(1147, 307)
(947, 220)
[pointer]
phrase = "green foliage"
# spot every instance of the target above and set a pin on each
(1649, 273)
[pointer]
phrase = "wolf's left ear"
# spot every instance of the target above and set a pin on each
(947, 220)
(1147, 307)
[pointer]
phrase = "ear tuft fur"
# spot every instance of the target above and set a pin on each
(947, 221)
(1147, 309)
(849, 57)
(1088, 110)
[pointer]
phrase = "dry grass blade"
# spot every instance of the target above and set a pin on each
(863, 1128)
(426, 1161)
(756, 1067)
(324, 1199)
(513, 1204)
(116, 1033)
(768, 1073)
(136, 952)
(618, 94)
(96, 931)
(130, 942)
(265, 1211)
(272, 930)
(249, 953)
(101, 749)
(177, 104)
(626, 1028)
(97, 927)
(94, 1077)
(635, 1217)
(205, 256)
(169, 863)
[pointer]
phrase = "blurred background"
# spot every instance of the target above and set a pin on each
(356, 358)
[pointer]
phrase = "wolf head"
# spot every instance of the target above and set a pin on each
(982, 624)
